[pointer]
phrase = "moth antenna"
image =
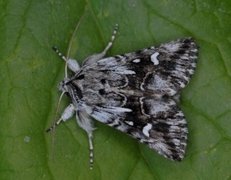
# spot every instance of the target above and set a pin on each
(52, 128)
(73, 34)
(56, 112)
(71, 41)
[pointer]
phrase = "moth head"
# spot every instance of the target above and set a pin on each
(63, 85)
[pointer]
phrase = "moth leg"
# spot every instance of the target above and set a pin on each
(72, 64)
(110, 43)
(91, 149)
(67, 114)
(85, 122)
(95, 57)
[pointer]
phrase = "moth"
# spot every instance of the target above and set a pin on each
(136, 93)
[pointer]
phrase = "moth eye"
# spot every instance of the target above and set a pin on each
(101, 91)
(103, 81)
(81, 76)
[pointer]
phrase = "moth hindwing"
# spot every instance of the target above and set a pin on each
(136, 93)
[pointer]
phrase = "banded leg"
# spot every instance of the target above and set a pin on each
(67, 114)
(85, 122)
(91, 149)
(96, 57)
(72, 64)
(109, 45)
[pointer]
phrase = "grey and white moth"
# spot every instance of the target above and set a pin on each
(136, 93)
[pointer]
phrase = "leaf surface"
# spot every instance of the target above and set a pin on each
(30, 73)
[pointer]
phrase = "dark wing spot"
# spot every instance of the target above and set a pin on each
(174, 56)
(101, 91)
(103, 81)
(80, 76)
(181, 51)
(168, 65)
(185, 46)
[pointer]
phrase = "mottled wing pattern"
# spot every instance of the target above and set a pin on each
(136, 92)
(165, 69)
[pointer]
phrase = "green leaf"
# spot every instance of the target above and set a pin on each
(30, 72)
